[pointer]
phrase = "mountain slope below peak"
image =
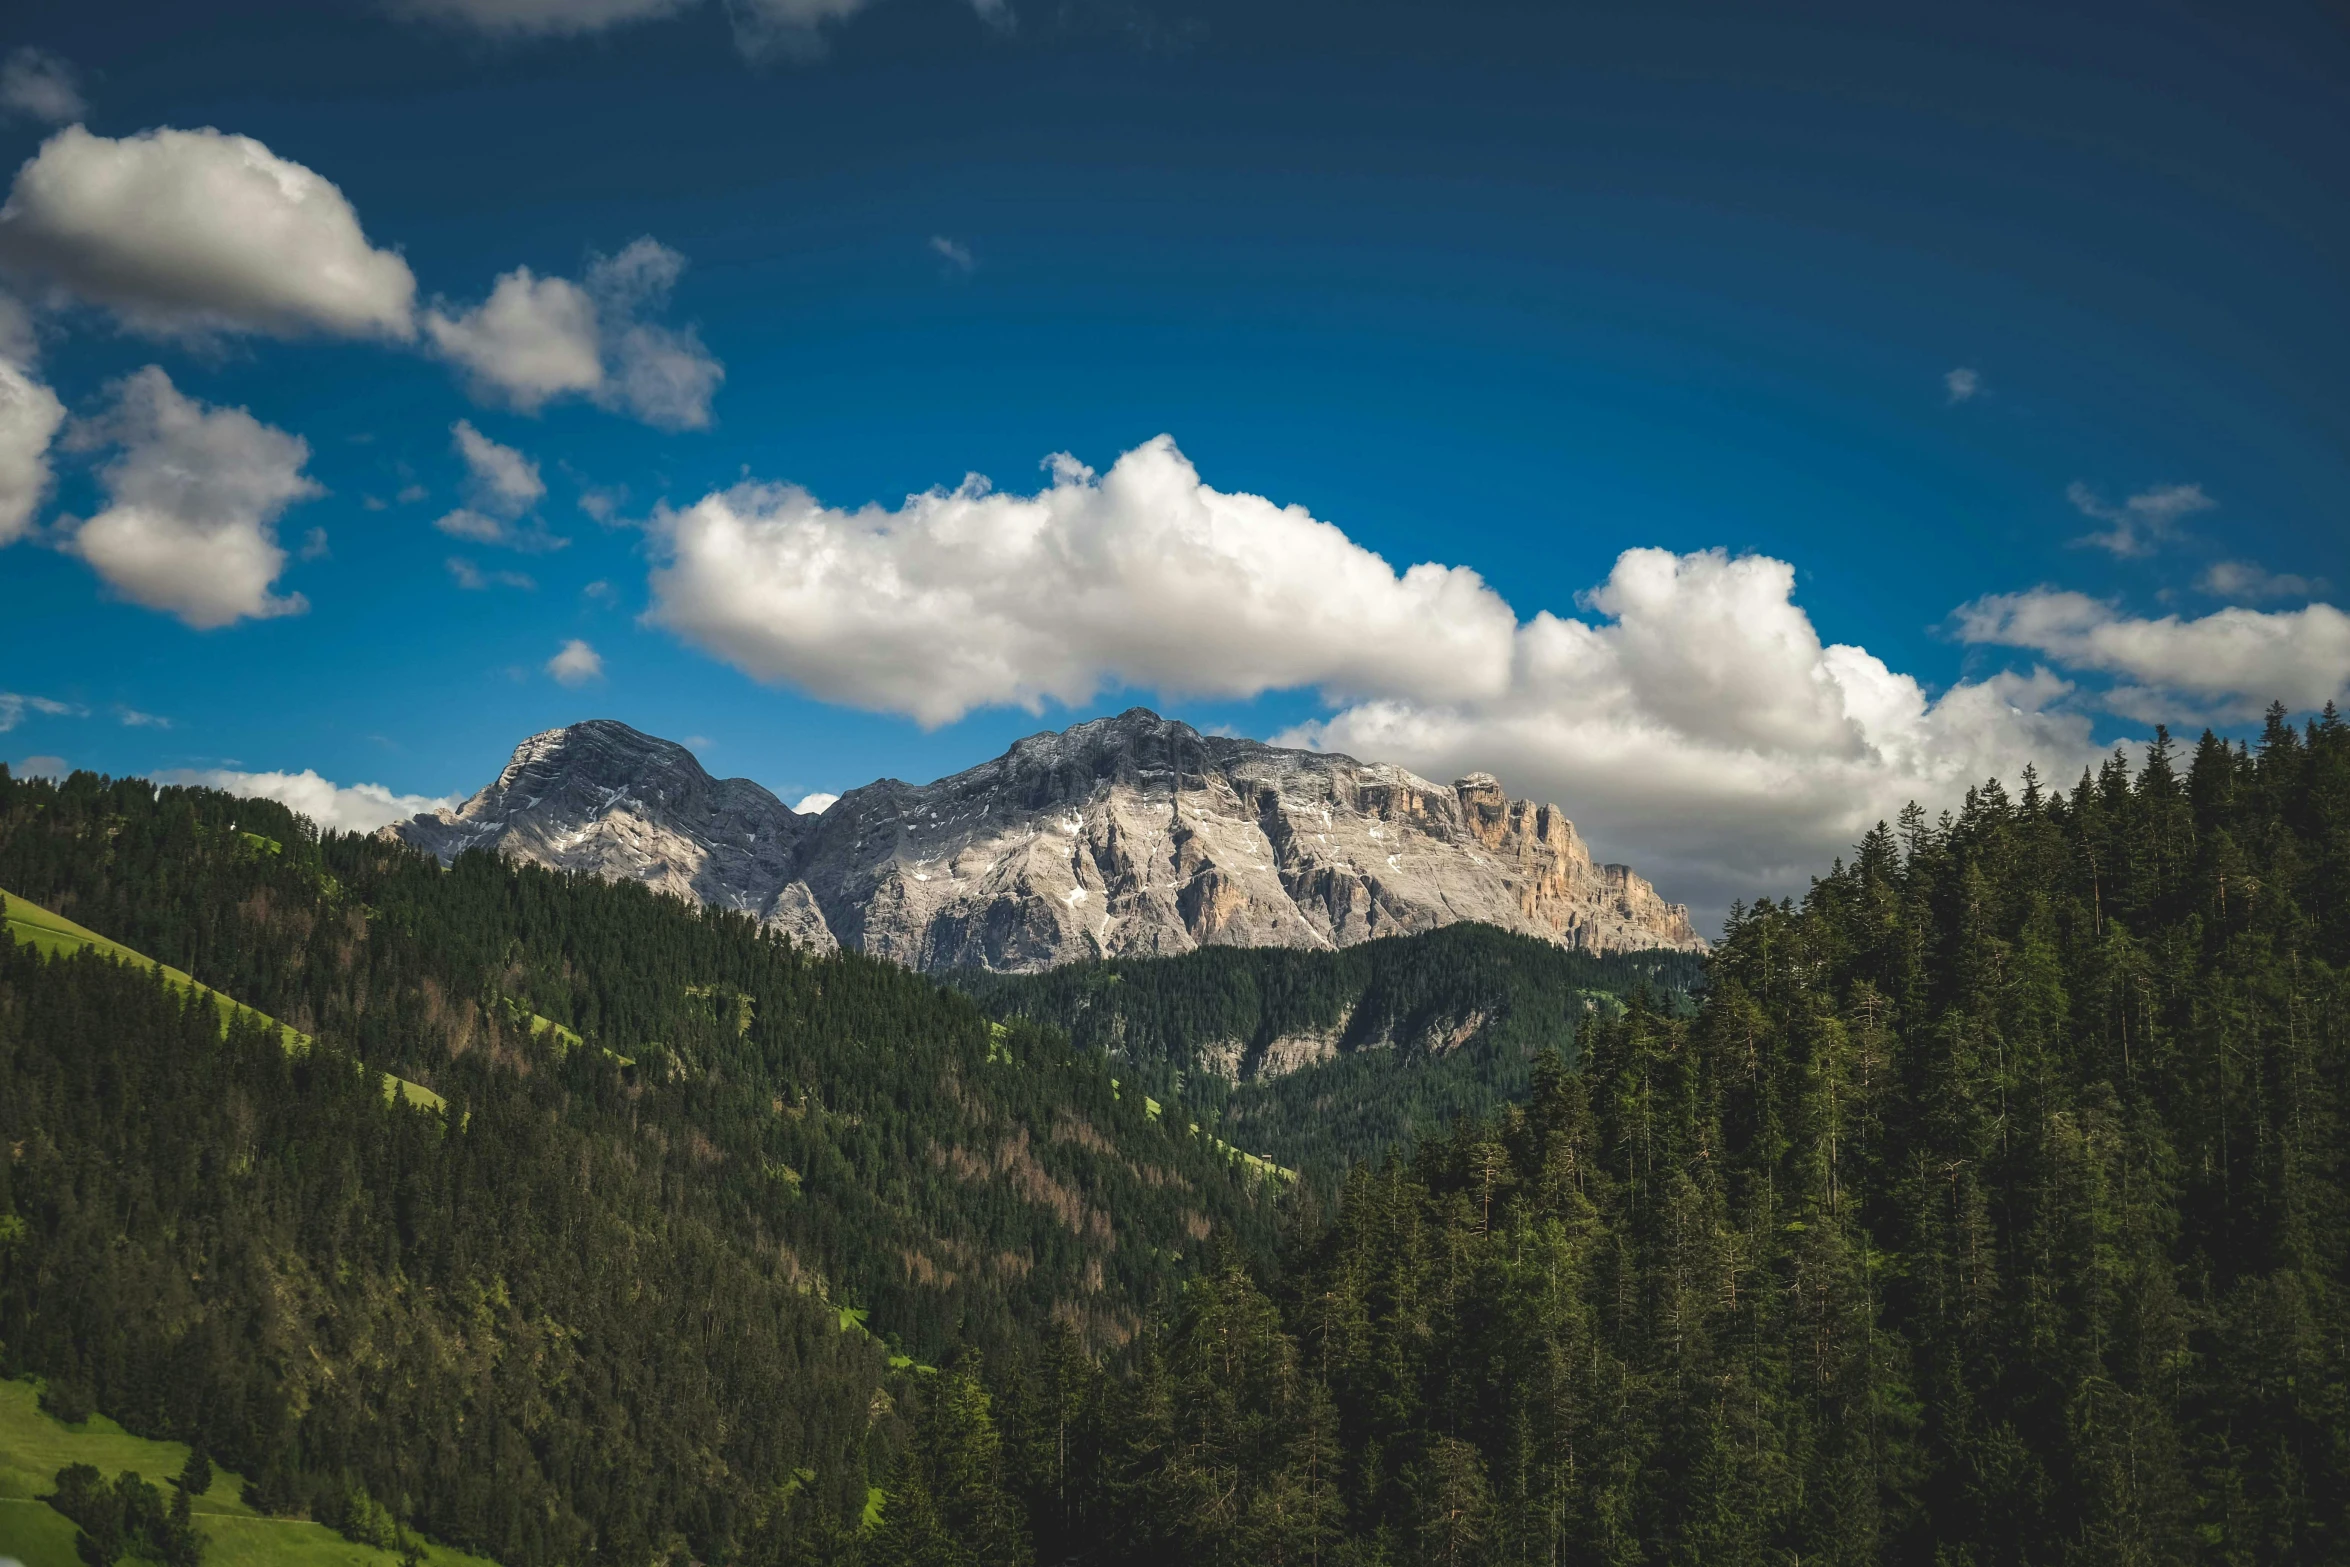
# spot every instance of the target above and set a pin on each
(1320, 1059)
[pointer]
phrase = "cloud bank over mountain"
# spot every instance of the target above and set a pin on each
(1694, 719)
(334, 807)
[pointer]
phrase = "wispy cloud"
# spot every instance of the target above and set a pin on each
(2249, 580)
(1963, 384)
(954, 253)
(473, 579)
(764, 30)
(132, 718)
(2141, 524)
(501, 487)
(603, 502)
(13, 707)
(479, 527)
(37, 85)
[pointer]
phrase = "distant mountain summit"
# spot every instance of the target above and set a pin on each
(1128, 835)
(603, 797)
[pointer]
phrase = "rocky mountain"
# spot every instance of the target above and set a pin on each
(1126, 835)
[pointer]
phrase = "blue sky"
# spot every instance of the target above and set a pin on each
(1509, 289)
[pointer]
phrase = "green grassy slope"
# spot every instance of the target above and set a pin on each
(47, 931)
(33, 1447)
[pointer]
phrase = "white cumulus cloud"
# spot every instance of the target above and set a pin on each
(575, 664)
(37, 85)
(816, 804)
(1695, 723)
(30, 415)
(334, 807)
(1700, 728)
(2230, 663)
(193, 497)
(1143, 576)
(197, 232)
(536, 339)
(533, 339)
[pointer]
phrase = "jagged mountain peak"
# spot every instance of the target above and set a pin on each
(1133, 833)
(603, 745)
(601, 796)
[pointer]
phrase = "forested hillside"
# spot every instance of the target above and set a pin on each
(1317, 1059)
(1992, 1210)
(612, 1299)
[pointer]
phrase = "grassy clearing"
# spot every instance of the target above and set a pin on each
(1255, 1164)
(519, 1014)
(715, 994)
(54, 933)
(33, 1447)
(27, 922)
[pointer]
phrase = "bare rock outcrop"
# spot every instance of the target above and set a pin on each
(602, 797)
(1126, 835)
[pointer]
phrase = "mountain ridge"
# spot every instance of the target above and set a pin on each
(1125, 835)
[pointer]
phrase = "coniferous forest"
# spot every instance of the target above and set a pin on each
(1989, 1207)
(1412, 1031)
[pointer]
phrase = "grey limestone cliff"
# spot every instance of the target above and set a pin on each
(1133, 834)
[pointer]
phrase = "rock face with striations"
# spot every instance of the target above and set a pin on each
(601, 797)
(1126, 835)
